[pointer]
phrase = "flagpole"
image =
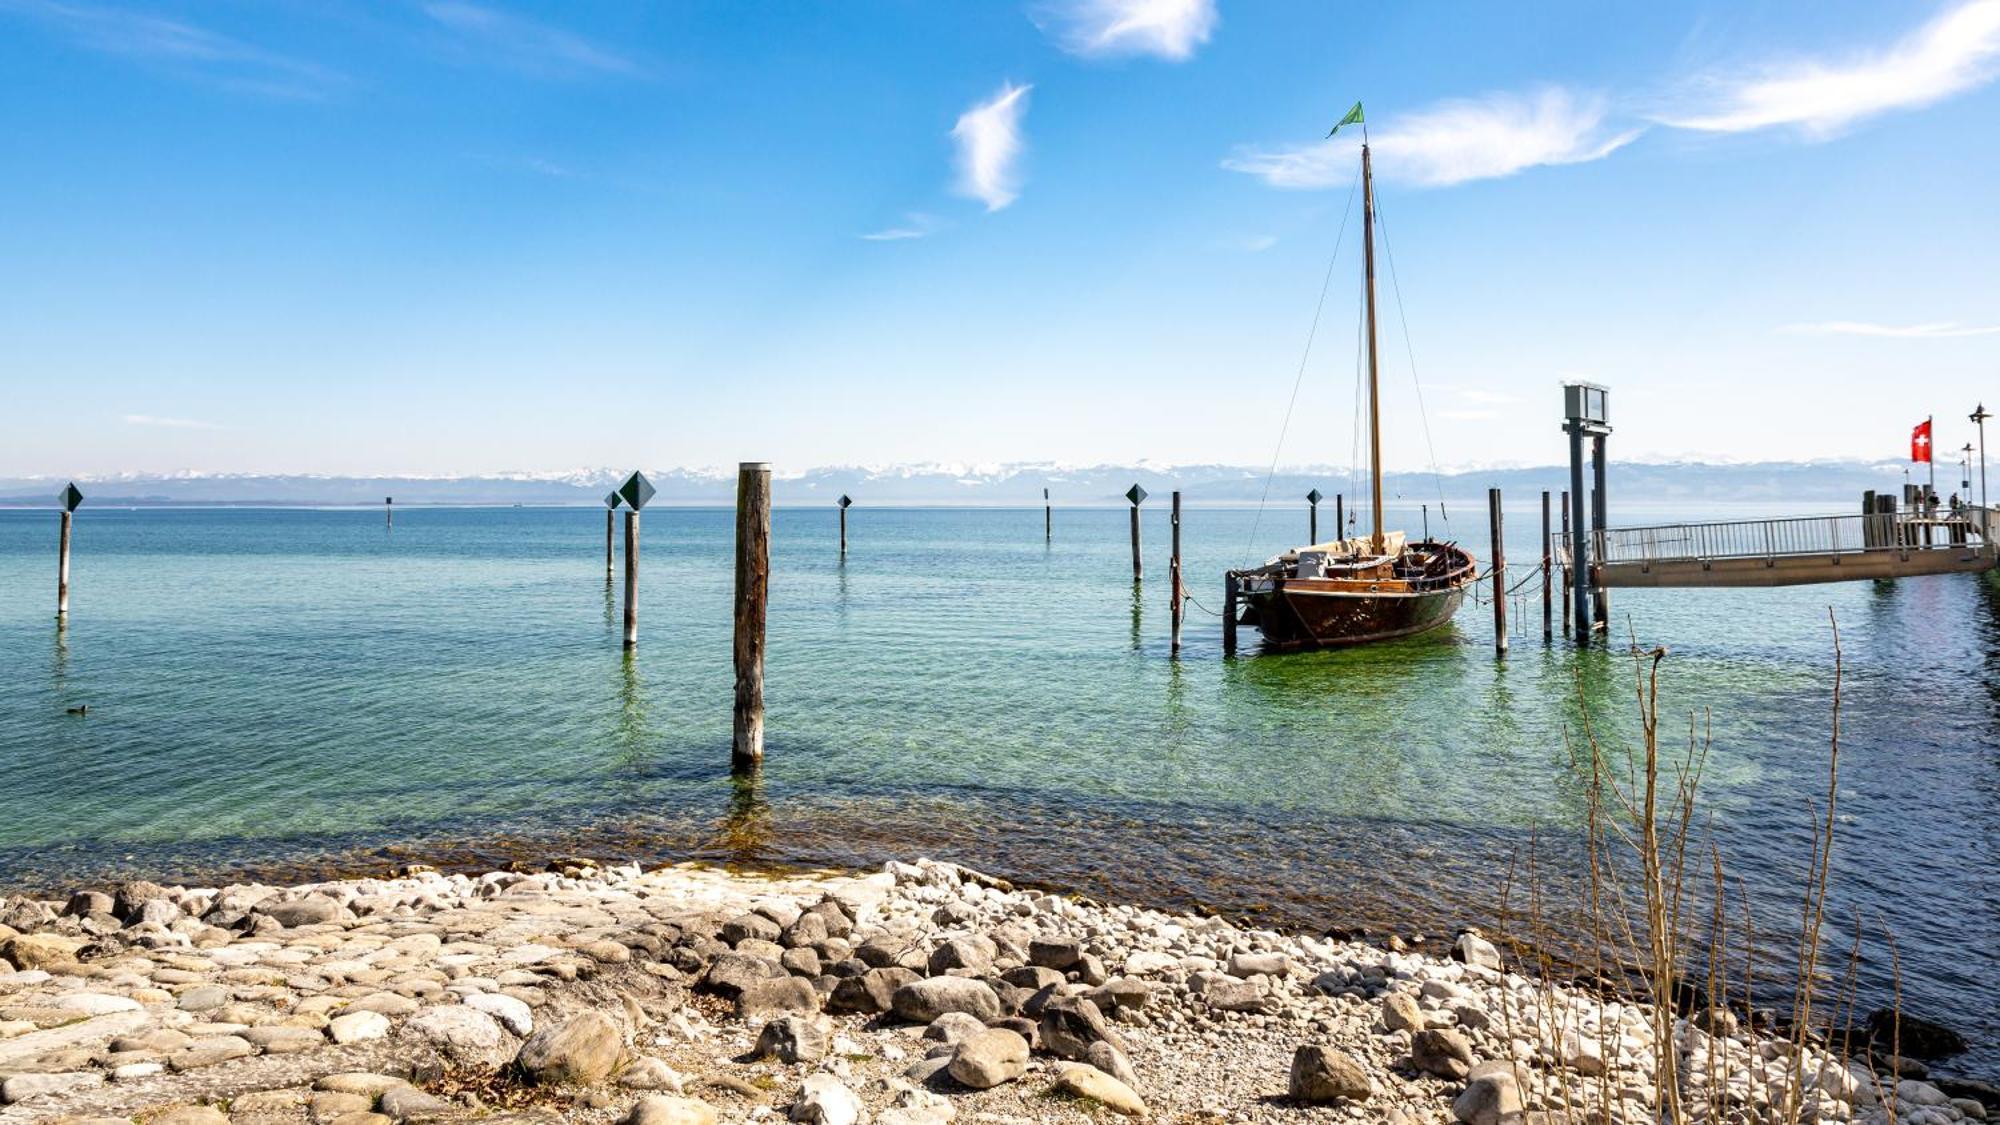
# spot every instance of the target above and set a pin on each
(1930, 455)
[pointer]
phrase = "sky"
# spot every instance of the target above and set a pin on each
(449, 236)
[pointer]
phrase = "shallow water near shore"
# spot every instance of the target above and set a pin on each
(276, 691)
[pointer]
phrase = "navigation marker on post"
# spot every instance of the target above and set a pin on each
(635, 492)
(70, 497)
(1312, 519)
(845, 502)
(611, 502)
(1137, 496)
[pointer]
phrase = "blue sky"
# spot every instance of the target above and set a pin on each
(292, 235)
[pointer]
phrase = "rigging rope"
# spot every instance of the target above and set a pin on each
(1250, 548)
(1403, 318)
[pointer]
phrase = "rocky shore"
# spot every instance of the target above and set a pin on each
(918, 995)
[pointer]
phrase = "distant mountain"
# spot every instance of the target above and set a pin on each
(1830, 484)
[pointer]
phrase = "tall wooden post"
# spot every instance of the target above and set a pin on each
(70, 498)
(1048, 519)
(389, 511)
(62, 572)
(610, 534)
(1499, 572)
(845, 503)
(1177, 591)
(1548, 617)
(632, 579)
(1230, 585)
(1137, 496)
(1339, 516)
(1312, 515)
(1566, 577)
(753, 584)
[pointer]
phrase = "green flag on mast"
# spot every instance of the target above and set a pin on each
(1353, 118)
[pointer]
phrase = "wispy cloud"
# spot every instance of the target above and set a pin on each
(1253, 243)
(916, 224)
(1454, 142)
(181, 48)
(1957, 51)
(169, 423)
(519, 43)
(1168, 29)
(1942, 330)
(989, 147)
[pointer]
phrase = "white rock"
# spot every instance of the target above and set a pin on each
(824, 1100)
(513, 1014)
(357, 1027)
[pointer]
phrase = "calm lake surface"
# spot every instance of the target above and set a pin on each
(283, 691)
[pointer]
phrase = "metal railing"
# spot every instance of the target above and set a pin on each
(1796, 535)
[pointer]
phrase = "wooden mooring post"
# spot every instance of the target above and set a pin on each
(1548, 617)
(846, 502)
(389, 511)
(753, 587)
(611, 502)
(634, 492)
(1231, 586)
(70, 497)
(1312, 516)
(1563, 504)
(1499, 572)
(1048, 519)
(1339, 516)
(1137, 496)
(1177, 593)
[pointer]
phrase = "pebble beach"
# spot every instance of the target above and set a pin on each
(919, 994)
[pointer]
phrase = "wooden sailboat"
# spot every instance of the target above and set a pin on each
(1349, 591)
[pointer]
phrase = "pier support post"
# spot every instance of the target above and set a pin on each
(1230, 585)
(1579, 551)
(1599, 506)
(753, 581)
(1567, 577)
(1499, 572)
(1137, 496)
(1548, 619)
(610, 533)
(632, 579)
(1177, 592)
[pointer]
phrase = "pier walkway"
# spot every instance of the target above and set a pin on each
(1793, 550)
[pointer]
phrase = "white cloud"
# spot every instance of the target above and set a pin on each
(1942, 330)
(169, 423)
(525, 45)
(1254, 244)
(1168, 29)
(916, 224)
(1453, 142)
(989, 147)
(1956, 51)
(182, 48)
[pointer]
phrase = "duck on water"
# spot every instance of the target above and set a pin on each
(1351, 591)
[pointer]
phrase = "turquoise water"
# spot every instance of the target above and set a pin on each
(273, 691)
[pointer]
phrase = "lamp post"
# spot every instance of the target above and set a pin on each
(1979, 416)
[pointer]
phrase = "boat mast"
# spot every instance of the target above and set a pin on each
(1374, 383)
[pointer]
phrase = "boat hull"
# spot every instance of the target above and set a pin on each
(1298, 614)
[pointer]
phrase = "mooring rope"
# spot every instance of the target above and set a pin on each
(1402, 317)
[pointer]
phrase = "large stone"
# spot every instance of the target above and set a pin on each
(583, 1050)
(512, 1013)
(729, 974)
(922, 1001)
(1070, 1025)
(809, 929)
(357, 1027)
(189, 1114)
(21, 1087)
(1110, 1058)
(823, 1100)
(1441, 1051)
(1400, 1012)
(1230, 994)
(1259, 964)
(407, 1103)
(311, 910)
(792, 1039)
(1322, 1074)
(40, 951)
(917, 1107)
(989, 1058)
(954, 1028)
(972, 954)
(888, 951)
(1475, 950)
(1058, 953)
(784, 994)
(278, 1039)
(1492, 1096)
(668, 1109)
(128, 899)
(463, 1035)
(1085, 1081)
(750, 926)
(650, 1073)
(871, 992)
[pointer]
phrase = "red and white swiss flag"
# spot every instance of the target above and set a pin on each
(1920, 441)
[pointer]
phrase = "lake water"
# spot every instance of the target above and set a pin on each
(283, 691)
